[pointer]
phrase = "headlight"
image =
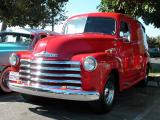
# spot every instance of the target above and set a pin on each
(13, 59)
(90, 63)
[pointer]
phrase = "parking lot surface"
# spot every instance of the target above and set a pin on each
(133, 104)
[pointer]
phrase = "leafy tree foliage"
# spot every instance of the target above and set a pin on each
(149, 10)
(154, 42)
(31, 12)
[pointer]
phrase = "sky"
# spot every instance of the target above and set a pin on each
(75, 7)
(81, 6)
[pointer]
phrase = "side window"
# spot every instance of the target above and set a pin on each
(36, 38)
(124, 31)
(144, 37)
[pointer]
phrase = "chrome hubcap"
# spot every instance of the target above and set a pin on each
(109, 94)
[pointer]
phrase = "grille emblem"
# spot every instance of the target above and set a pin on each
(46, 54)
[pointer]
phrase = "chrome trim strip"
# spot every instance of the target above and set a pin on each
(25, 60)
(57, 62)
(25, 76)
(51, 62)
(55, 75)
(45, 54)
(54, 68)
(68, 94)
(25, 66)
(73, 87)
(24, 71)
(56, 81)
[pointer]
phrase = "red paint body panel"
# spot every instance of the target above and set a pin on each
(111, 52)
(68, 45)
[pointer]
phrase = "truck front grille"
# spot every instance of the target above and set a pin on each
(54, 73)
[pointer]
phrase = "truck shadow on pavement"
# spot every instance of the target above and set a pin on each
(133, 104)
(10, 97)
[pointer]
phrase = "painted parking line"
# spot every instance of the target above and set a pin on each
(146, 112)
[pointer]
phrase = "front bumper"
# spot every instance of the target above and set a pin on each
(55, 92)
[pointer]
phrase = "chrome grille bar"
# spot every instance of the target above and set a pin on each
(25, 66)
(51, 62)
(56, 62)
(56, 81)
(54, 68)
(24, 71)
(55, 75)
(56, 72)
(25, 76)
(50, 81)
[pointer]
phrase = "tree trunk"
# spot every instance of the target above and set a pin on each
(31, 27)
(52, 23)
(4, 26)
(43, 26)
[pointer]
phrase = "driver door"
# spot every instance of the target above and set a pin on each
(127, 53)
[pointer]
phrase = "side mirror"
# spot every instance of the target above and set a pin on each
(121, 34)
(125, 36)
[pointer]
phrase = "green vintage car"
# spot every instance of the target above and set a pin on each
(13, 41)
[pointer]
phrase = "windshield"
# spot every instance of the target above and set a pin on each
(90, 24)
(24, 39)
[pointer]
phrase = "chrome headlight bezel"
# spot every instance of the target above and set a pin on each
(14, 59)
(89, 63)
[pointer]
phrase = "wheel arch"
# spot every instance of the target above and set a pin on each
(4, 67)
(3, 84)
(149, 66)
(115, 73)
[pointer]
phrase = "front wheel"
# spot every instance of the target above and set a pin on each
(144, 82)
(105, 102)
(4, 80)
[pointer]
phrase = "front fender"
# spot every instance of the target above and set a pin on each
(21, 55)
(96, 80)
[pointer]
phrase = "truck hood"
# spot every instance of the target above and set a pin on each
(66, 46)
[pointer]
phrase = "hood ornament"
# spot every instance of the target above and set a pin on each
(46, 54)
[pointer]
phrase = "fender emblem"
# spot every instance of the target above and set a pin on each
(46, 54)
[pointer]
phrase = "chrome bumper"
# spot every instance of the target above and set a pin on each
(55, 92)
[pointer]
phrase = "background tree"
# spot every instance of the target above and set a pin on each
(147, 9)
(58, 12)
(31, 12)
(154, 42)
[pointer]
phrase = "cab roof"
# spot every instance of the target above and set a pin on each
(102, 14)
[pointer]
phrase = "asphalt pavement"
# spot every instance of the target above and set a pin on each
(133, 104)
